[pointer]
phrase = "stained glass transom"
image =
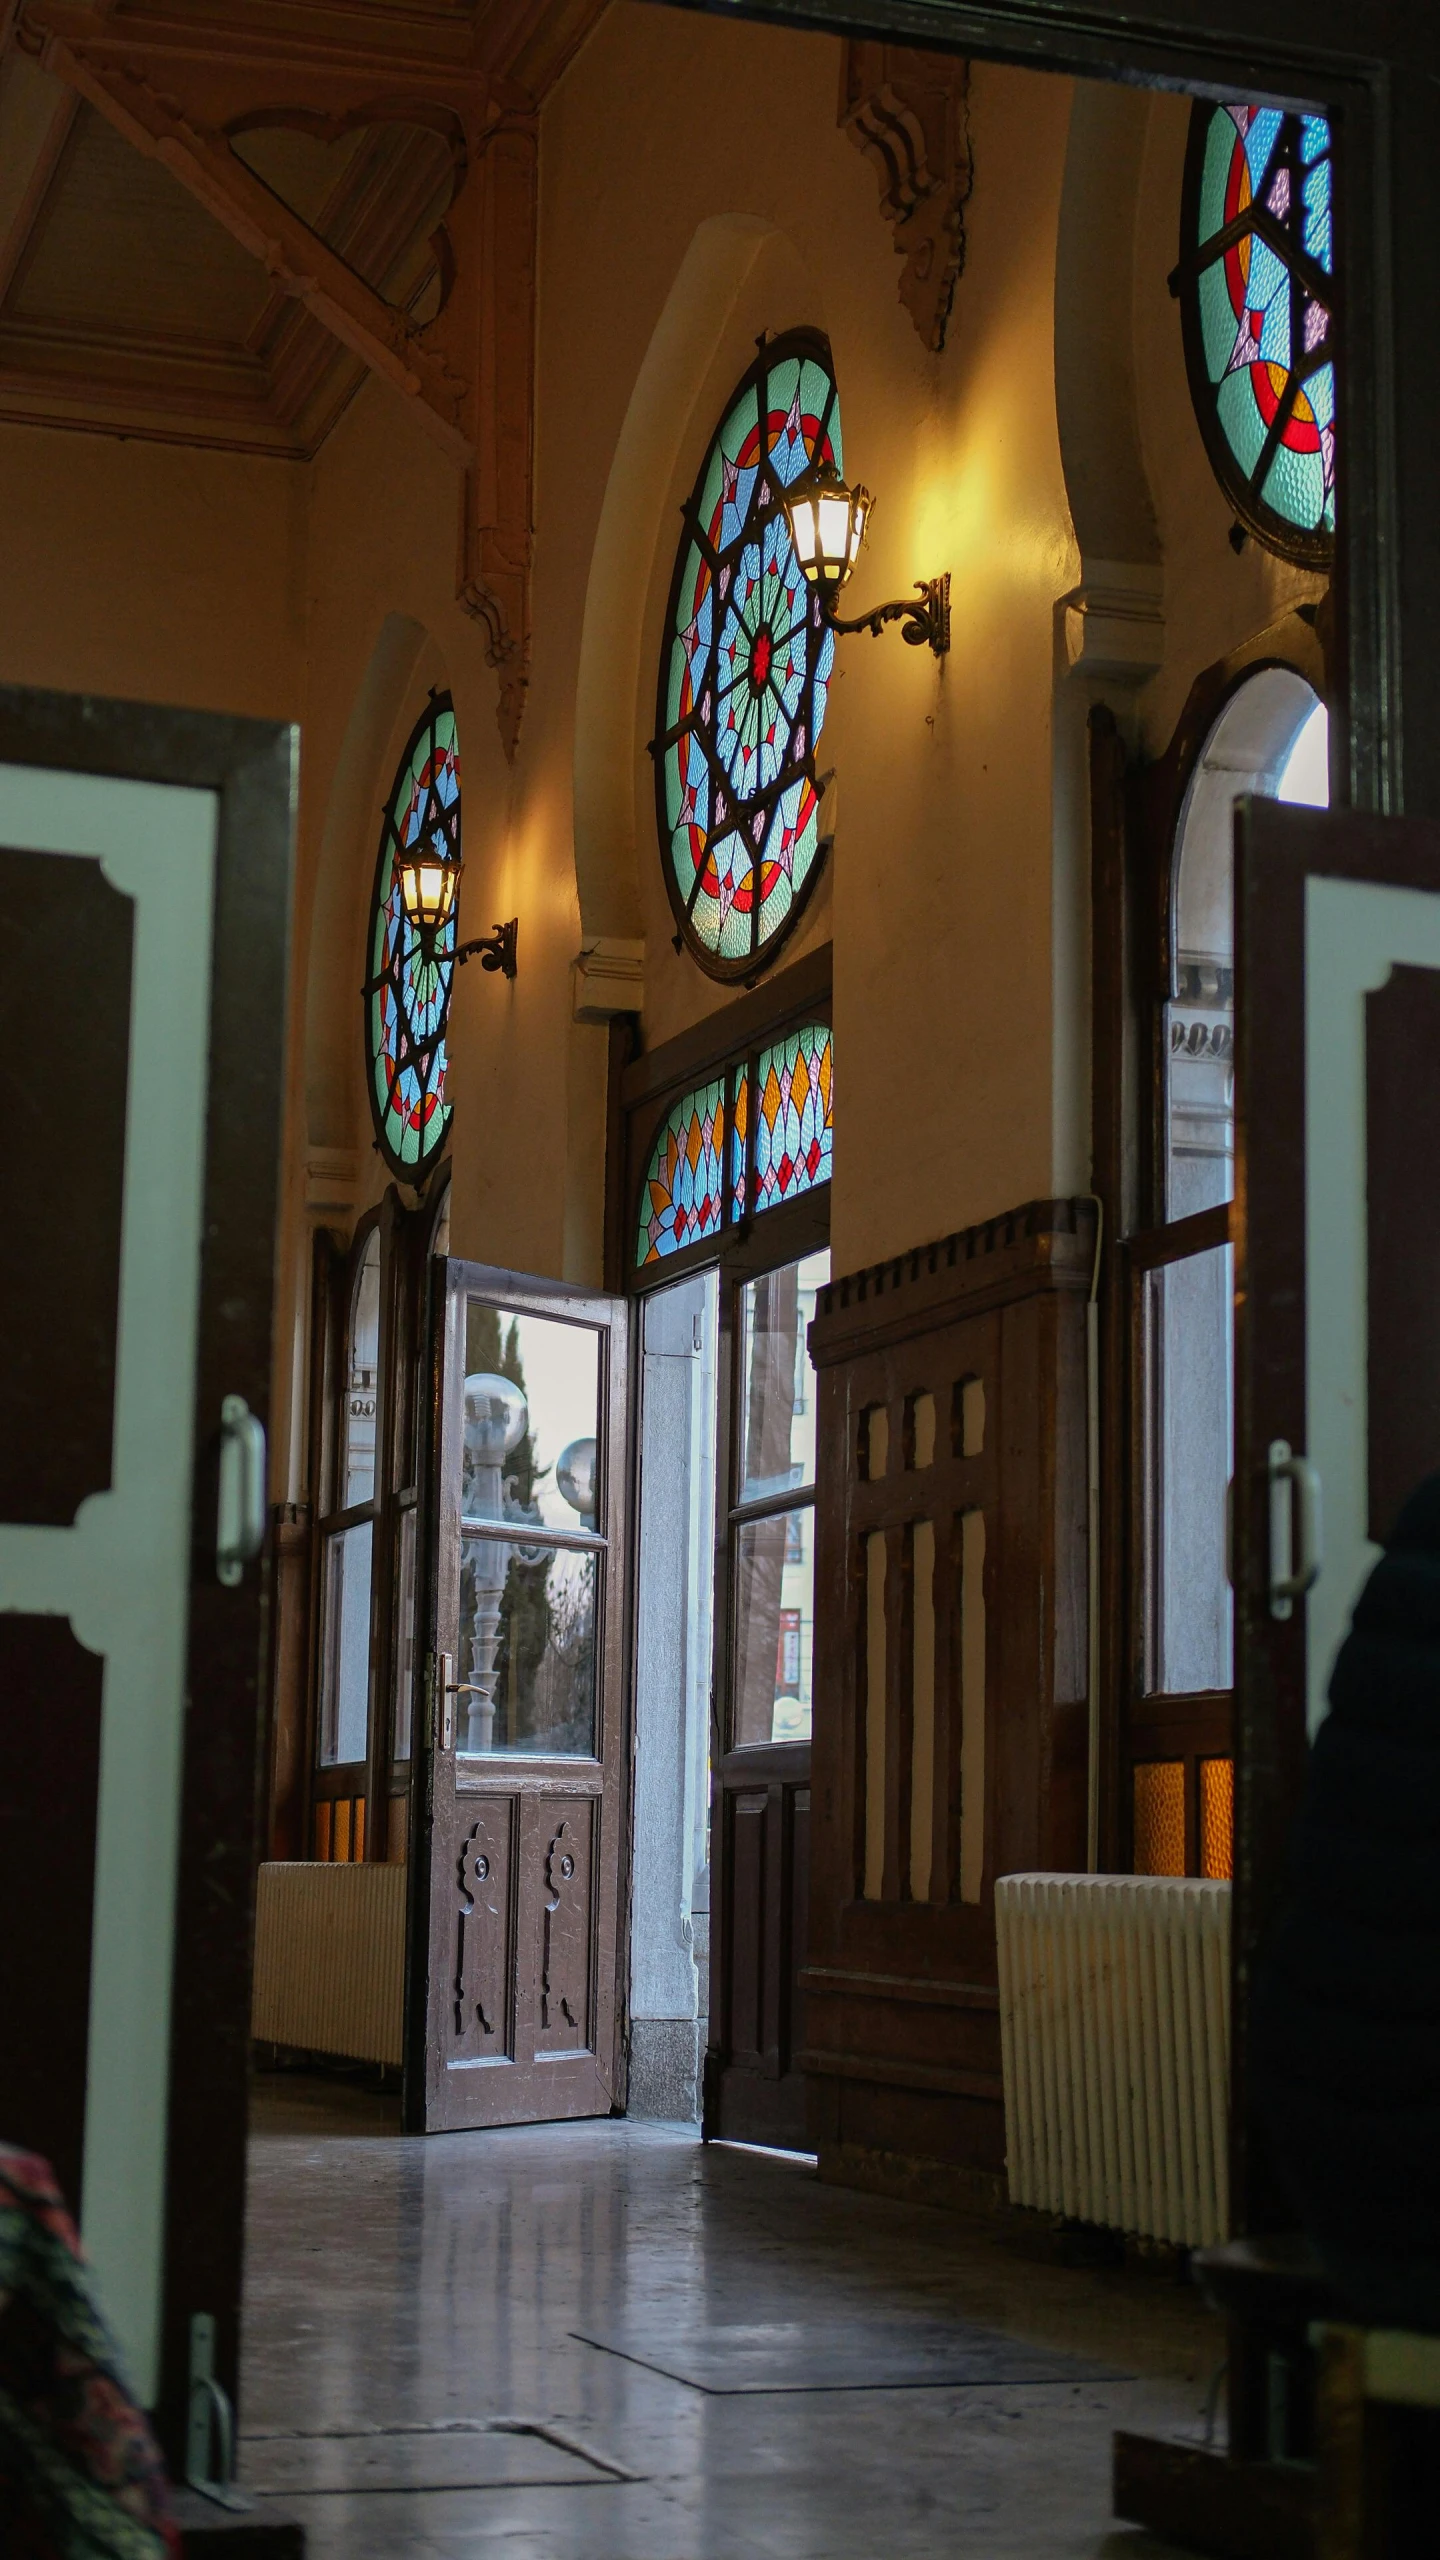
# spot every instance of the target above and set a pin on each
(701, 1173)
(793, 1134)
(682, 1201)
(407, 994)
(1255, 279)
(745, 672)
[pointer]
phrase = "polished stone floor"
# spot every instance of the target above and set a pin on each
(404, 2294)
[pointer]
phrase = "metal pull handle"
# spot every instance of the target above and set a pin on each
(1294, 1493)
(240, 1513)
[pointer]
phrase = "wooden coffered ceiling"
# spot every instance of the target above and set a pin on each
(214, 219)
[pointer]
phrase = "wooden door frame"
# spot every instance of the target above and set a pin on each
(743, 1249)
(768, 1243)
(1136, 821)
(406, 1234)
(250, 765)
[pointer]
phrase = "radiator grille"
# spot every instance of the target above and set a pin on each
(1115, 2031)
(330, 1959)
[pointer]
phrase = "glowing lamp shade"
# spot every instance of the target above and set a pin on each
(428, 881)
(827, 525)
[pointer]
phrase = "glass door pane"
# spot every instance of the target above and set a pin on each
(1188, 1334)
(345, 1690)
(772, 1544)
(529, 1605)
(774, 1627)
(405, 1631)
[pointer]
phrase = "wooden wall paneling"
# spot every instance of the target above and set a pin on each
(902, 2034)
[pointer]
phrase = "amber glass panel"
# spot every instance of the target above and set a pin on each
(357, 1828)
(1159, 1817)
(1217, 1817)
(340, 1831)
(322, 1828)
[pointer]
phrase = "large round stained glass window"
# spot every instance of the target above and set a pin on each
(745, 673)
(1255, 281)
(407, 993)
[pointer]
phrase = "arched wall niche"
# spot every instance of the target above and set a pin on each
(1246, 749)
(404, 662)
(740, 275)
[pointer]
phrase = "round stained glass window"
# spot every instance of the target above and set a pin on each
(407, 992)
(1255, 282)
(745, 673)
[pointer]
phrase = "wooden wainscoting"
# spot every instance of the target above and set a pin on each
(950, 1669)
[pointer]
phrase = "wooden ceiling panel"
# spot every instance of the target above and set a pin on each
(220, 215)
(117, 246)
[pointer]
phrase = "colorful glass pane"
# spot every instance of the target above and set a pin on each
(1158, 1807)
(1257, 257)
(793, 1118)
(681, 1200)
(407, 994)
(745, 673)
(1217, 1817)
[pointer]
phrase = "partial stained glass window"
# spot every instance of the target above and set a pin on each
(681, 1202)
(793, 1130)
(763, 1126)
(745, 672)
(1255, 283)
(407, 993)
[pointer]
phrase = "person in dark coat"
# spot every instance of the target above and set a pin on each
(1346, 2008)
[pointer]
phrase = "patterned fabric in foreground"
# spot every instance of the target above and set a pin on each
(80, 2474)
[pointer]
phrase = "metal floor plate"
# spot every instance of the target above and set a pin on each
(514, 2453)
(851, 2355)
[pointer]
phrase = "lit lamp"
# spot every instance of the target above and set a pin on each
(827, 521)
(429, 887)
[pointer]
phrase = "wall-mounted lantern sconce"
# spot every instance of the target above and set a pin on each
(429, 887)
(827, 526)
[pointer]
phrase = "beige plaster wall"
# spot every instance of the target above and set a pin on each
(940, 883)
(152, 571)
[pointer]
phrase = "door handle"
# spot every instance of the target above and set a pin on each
(1294, 1495)
(240, 1511)
(447, 1692)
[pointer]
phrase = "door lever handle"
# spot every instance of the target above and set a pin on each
(240, 1511)
(1294, 1493)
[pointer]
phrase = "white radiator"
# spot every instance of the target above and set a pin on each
(1115, 2036)
(330, 1958)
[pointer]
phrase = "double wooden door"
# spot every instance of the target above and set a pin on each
(523, 1760)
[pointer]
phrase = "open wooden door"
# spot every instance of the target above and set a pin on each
(524, 1802)
(1337, 1280)
(144, 889)
(764, 1686)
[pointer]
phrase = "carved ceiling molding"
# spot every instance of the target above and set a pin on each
(906, 110)
(178, 89)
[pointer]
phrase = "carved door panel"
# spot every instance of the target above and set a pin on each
(1337, 1278)
(524, 1808)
